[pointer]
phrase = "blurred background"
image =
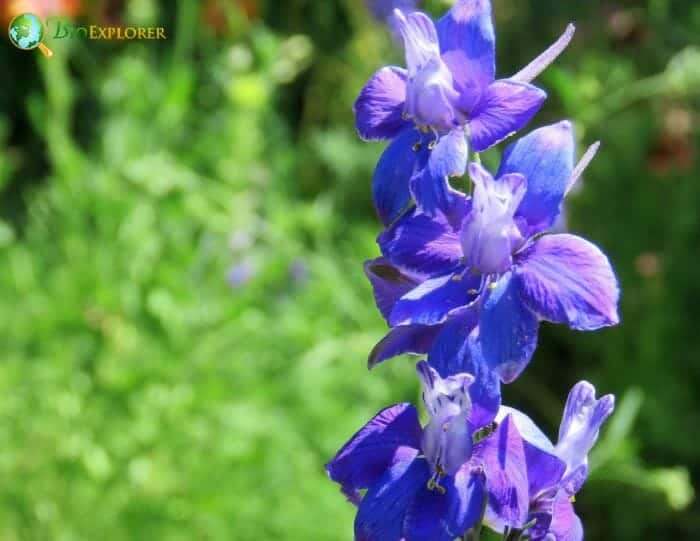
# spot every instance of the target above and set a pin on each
(184, 320)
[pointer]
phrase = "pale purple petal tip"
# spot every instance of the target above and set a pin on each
(583, 417)
(420, 38)
(539, 64)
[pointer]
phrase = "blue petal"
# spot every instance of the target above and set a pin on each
(423, 244)
(502, 456)
(467, 29)
(505, 108)
(433, 516)
(546, 158)
(466, 499)
(449, 157)
(414, 339)
(389, 284)
(392, 433)
(396, 166)
(430, 186)
(380, 105)
(544, 469)
(433, 301)
(383, 509)
(425, 517)
(507, 330)
(453, 352)
(566, 279)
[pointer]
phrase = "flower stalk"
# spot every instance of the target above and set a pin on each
(464, 279)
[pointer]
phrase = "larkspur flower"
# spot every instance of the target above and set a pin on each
(241, 274)
(446, 98)
(481, 277)
(421, 483)
(553, 473)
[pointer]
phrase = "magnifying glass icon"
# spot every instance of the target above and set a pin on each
(26, 32)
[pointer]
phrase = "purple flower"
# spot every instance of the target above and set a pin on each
(486, 268)
(421, 483)
(241, 274)
(553, 473)
(448, 96)
(299, 271)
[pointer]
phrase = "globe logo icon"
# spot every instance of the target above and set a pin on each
(26, 32)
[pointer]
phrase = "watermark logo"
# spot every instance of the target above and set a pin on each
(65, 29)
(26, 32)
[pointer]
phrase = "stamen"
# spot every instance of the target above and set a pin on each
(432, 144)
(434, 482)
(417, 146)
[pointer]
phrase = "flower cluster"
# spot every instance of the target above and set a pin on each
(465, 279)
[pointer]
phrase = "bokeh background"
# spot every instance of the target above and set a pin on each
(184, 322)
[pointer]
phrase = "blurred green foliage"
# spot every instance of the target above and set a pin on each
(184, 317)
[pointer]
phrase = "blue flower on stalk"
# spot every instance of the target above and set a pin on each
(447, 98)
(551, 475)
(422, 484)
(479, 278)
